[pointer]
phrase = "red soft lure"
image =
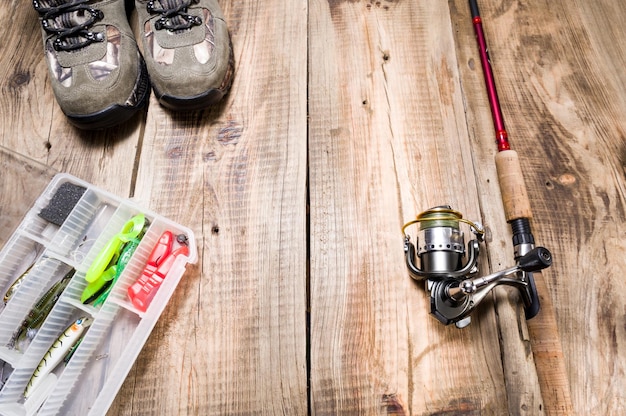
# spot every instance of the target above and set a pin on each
(158, 266)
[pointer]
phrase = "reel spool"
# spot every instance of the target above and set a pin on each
(450, 269)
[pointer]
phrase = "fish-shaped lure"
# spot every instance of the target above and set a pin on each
(18, 282)
(59, 349)
(16, 285)
(40, 311)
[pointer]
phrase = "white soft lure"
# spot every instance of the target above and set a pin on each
(57, 352)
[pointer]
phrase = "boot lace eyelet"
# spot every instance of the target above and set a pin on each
(174, 15)
(68, 35)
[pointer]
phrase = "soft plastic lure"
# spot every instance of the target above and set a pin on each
(158, 266)
(94, 289)
(40, 311)
(112, 274)
(129, 231)
(103, 271)
(59, 349)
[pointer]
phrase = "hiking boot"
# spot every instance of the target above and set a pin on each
(187, 50)
(98, 76)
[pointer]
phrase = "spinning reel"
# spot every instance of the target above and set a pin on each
(451, 271)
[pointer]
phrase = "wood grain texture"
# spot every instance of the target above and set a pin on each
(22, 181)
(373, 111)
(236, 175)
(387, 140)
(563, 99)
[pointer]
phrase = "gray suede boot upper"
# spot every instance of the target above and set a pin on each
(97, 74)
(187, 50)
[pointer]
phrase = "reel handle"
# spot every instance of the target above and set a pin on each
(536, 259)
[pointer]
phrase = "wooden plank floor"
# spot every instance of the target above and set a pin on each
(345, 120)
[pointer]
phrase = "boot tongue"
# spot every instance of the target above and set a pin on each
(69, 21)
(174, 5)
(170, 4)
(54, 3)
(47, 3)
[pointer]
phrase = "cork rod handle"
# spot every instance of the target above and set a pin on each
(512, 186)
(543, 328)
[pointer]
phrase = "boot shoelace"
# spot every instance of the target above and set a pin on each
(174, 15)
(70, 22)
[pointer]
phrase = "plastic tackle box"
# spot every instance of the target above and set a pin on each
(88, 382)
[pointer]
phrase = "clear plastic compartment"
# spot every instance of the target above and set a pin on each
(89, 381)
(83, 227)
(19, 254)
(43, 275)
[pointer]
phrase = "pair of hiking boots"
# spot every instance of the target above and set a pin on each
(101, 77)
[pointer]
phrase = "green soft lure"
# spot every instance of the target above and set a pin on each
(127, 253)
(59, 349)
(40, 311)
(98, 287)
(97, 292)
(101, 277)
(129, 231)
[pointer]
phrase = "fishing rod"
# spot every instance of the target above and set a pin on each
(454, 285)
(543, 329)
(451, 271)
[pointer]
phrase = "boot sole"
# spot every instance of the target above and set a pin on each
(116, 113)
(196, 102)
